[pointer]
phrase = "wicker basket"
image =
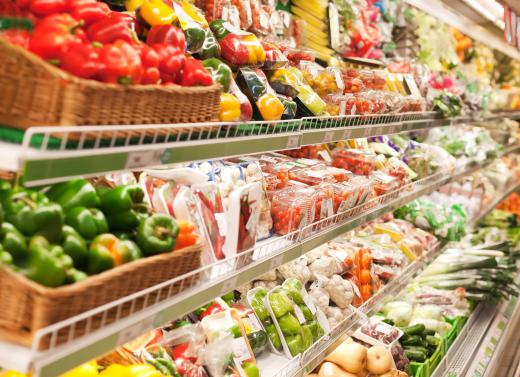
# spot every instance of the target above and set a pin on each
(36, 93)
(28, 306)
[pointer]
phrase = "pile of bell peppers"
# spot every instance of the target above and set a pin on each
(89, 40)
(66, 232)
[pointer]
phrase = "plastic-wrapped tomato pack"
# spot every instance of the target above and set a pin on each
(292, 208)
(357, 161)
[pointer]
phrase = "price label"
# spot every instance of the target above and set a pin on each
(143, 158)
(346, 134)
(328, 137)
(229, 285)
(132, 332)
(293, 141)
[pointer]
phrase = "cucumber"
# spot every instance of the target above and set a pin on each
(415, 355)
(414, 330)
(412, 340)
(432, 340)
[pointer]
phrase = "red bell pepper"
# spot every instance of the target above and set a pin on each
(150, 61)
(122, 63)
(111, 28)
(42, 8)
(171, 61)
(89, 12)
(167, 34)
(212, 309)
(195, 74)
(183, 362)
(53, 34)
(82, 60)
(17, 37)
(234, 50)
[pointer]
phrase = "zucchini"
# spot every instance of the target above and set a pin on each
(412, 340)
(414, 330)
(415, 355)
(433, 340)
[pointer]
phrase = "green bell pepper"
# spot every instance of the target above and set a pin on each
(106, 252)
(295, 344)
(229, 298)
(75, 193)
(257, 303)
(293, 289)
(220, 72)
(89, 222)
(132, 249)
(250, 369)
(157, 234)
(273, 335)
(194, 38)
(74, 276)
(307, 313)
(316, 330)
(307, 337)
(46, 263)
(6, 258)
(289, 324)
(75, 246)
(218, 29)
(210, 48)
(31, 213)
(13, 241)
(257, 340)
(280, 303)
(122, 206)
(289, 105)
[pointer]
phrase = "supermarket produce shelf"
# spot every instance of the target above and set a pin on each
(99, 337)
(52, 154)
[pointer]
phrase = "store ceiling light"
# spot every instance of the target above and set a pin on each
(490, 9)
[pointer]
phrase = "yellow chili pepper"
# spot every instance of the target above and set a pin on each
(156, 12)
(84, 370)
(229, 107)
(270, 107)
(132, 5)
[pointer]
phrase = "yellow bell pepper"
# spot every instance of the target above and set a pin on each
(255, 49)
(115, 370)
(12, 373)
(143, 370)
(270, 107)
(229, 107)
(85, 370)
(132, 5)
(156, 12)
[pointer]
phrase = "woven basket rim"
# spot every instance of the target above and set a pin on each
(55, 71)
(91, 280)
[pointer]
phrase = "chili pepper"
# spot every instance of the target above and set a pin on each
(220, 72)
(122, 63)
(171, 61)
(210, 48)
(81, 60)
(89, 222)
(219, 29)
(106, 251)
(54, 34)
(45, 263)
(75, 193)
(42, 8)
(195, 74)
(90, 12)
(31, 213)
(150, 62)
(234, 50)
(168, 34)
(229, 108)
(156, 12)
(113, 27)
(270, 107)
(157, 234)
(75, 247)
(13, 241)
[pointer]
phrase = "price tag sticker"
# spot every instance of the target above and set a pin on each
(328, 137)
(293, 141)
(143, 158)
(229, 285)
(132, 332)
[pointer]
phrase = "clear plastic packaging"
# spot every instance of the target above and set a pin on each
(274, 58)
(384, 183)
(292, 208)
(354, 160)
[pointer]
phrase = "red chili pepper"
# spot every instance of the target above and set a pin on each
(150, 61)
(122, 63)
(171, 61)
(43, 8)
(167, 34)
(195, 74)
(53, 34)
(111, 28)
(82, 60)
(233, 49)
(89, 12)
